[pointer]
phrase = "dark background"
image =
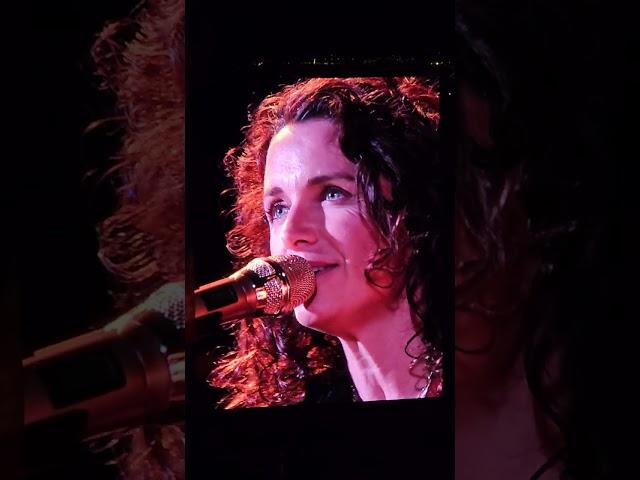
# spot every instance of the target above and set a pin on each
(67, 287)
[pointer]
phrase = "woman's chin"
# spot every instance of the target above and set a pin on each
(312, 319)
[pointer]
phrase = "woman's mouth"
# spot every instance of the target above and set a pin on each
(319, 269)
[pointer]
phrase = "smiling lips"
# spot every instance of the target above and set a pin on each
(319, 268)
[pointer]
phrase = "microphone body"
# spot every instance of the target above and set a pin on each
(232, 297)
(266, 286)
(127, 372)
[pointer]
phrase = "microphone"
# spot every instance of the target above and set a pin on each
(266, 286)
(127, 372)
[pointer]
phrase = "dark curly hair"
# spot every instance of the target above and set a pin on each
(388, 129)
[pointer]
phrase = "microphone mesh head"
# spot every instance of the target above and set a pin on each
(299, 276)
(274, 287)
(302, 280)
(168, 300)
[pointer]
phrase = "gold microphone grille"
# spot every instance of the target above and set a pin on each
(299, 277)
(274, 287)
(302, 281)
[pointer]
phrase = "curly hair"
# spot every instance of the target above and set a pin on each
(141, 60)
(388, 129)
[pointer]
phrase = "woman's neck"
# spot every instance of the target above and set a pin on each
(376, 357)
(488, 356)
(494, 406)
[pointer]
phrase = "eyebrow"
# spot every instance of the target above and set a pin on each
(320, 179)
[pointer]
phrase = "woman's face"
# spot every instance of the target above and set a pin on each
(310, 201)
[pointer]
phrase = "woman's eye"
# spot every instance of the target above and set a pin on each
(334, 193)
(277, 210)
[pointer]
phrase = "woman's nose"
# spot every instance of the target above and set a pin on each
(300, 227)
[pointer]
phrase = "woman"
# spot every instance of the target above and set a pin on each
(532, 252)
(345, 173)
